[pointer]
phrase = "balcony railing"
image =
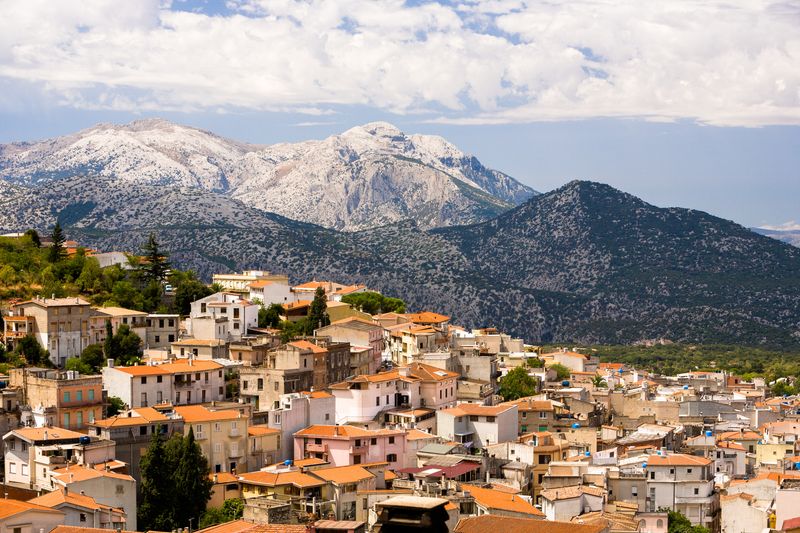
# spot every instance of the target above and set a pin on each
(311, 447)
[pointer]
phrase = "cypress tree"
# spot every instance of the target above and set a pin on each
(156, 497)
(192, 482)
(155, 264)
(317, 313)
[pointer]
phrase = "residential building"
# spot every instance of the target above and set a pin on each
(263, 446)
(296, 411)
(117, 316)
(566, 503)
(162, 330)
(181, 382)
(346, 481)
(358, 332)
(271, 291)
(242, 282)
(81, 510)
(304, 492)
(25, 517)
(252, 351)
(60, 398)
(106, 487)
(240, 313)
(490, 501)
(133, 430)
(683, 483)
(287, 369)
(200, 348)
(477, 426)
(350, 445)
(33, 455)
(222, 435)
(61, 325)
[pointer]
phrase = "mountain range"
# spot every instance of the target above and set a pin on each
(584, 263)
(368, 176)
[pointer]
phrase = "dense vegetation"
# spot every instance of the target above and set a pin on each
(375, 303)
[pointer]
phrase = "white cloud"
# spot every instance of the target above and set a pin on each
(786, 226)
(475, 62)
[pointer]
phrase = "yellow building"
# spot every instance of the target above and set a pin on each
(222, 435)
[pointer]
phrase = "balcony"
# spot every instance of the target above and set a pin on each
(54, 460)
(234, 432)
(182, 384)
(311, 447)
(235, 452)
(359, 449)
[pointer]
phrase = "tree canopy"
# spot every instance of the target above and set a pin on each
(270, 317)
(562, 372)
(57, 252)
(517, 384)
(375, 303)
(317, 312)
(124, 346)
(154, 265)
(175, 486)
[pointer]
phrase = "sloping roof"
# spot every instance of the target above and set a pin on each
(508, 524)
(677, 459)
(476, 409)
(72, 474)
(142, 415)
(14, 507)
(58, 497)
(78, 529)
(51, 433)
(344, 474)
(566, 493)
(198, 413)
(275, 479)
(503, 501)
(345, 431)
(260, 430)
(427, 317)
(305, 345)
(119, 311)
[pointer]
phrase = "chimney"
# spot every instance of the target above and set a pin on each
(336, 429)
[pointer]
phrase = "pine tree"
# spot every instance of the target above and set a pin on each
(154, 266)
(317, 313)
(157, 494)
(57, 252)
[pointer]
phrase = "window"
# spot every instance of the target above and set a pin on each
(474, 418)
(524, 414)
(158, 338)
(218, 447)
(12, 444)
(12, 468)
(83, 517)
(79, 419)
(67, 397)
(217, 426)
(391, 458)
(171, 323)
(91, 394)
(235, 312)
(24, 446)
(378, 401)
(387, 399)
(372, 441)
(171, 338)
(177, 397)
(120, 489)
(652, 475)
(276, 385)
(440, 394)
(66, 420)
(671, 470)
(634, 491)
(144, 380)
(142, 430)
(659, 524)
(544, 459)
(79, 396)
(391, 440)
(260, 384)
(305, 362)
(356, 459)
(160, 322)
(327, 416)
(144, 399)
(542, 414)
(688, 470)
(188, 396)
(490, 419)
(244, 385)
(696, 491)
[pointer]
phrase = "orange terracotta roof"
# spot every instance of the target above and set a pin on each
(199, 342)
(502, 501)
(416, 434)
(260, 283)
(476, 409)
(427, 317)
(143, 370)
(677, 459)
(12, 507)
(197, 365)
(275, 479)
(51, 433)
(198, 413)
(344, 474)
(142, 415)
(296, 305)
(79, 529)
(58, 497)
(74, 474)
(509, 524)
(223, 477)
(305, 345)
(345, 432)
(260, 430)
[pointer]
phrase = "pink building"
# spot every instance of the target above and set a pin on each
(358, 332)
(350, 445)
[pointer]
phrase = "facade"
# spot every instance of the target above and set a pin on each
(287, 369)
(181, 382)
(81, 510)
(263, 447)
(240, 313)
(25, 517)
(61, 325)
(132, 431)
(683, 483)
(60, 398)
(135, 320)
(162, 330)
(106, 487)
(297, 411)
(476, 425)
(242, 282)
(357, 332)
(350, 445)
(222, 435)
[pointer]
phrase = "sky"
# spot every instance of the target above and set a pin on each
(683, 103)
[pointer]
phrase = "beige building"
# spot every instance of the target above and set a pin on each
(61, 325)
(241, 282)
(162, 330)
(263, 447)
(222, 435)
(135, 320)
(60, 398)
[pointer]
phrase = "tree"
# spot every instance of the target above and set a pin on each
(191, 480)
(270, 317)
(534, 362)
(57, 251)
(317, 312)
(374, 303)
(599, 382)
(232, 509)
(115, 406)
(154, 265)
(562, 372)
(517, 384)
(124, 346)
(187, 290)
(155, 509)
(29, 348)
(75, 363)
(94, 356)
(290, 330)
(677, 523)
(33, 235)
(90, 276)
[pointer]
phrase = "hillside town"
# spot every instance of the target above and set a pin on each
(368, 419)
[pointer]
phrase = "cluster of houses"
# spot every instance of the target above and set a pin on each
(380, 422)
